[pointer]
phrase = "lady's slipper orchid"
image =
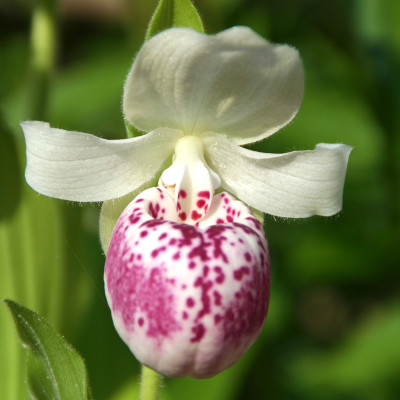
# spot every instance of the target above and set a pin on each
(187, 271)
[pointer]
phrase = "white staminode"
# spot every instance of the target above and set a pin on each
(226, 89)
(189, 175)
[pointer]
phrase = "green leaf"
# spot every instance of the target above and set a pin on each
(55, 369)
(174, 13)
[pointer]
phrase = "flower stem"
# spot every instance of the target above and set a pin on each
(43, 55)
(150, 384)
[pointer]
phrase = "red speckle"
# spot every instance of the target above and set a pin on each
(226, 200)
(204, 193)
(177, 255)
(195, 215)
(182, 216)
(182, 194)
(206, 270)
(199, 332)
(200, 203)
(229, 218)
(143, 234)
(141, 321)
(220, 221)
(185, 315)
(247, 256)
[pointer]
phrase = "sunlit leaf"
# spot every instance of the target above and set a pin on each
(174, 13)
(55, 369)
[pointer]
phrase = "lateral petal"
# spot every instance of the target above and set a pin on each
(298, 184)
(234, 83)
(81, 167)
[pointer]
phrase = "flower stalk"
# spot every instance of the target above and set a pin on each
(43, 56)
(150, 384)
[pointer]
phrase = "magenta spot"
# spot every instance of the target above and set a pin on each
(206, 270)
(152, 210)
(247, 256)
(229, 209)
(226, 200)
(139, 257)
(229, 218)
(139, 200)
(141, 321)
(163, 236)
(185, 315)
(217, 319)
(177, 255)
(239, 273)
(205, 298)
(200, 203)
(156, 252)
(204, 193)
(217, 298)
(195, 215)
(192, 264)
(143, 234)
(182, 194)
(199, 332)
(190, 302)
(133, 219)
(183, 286)
(220, 221)
(163, 210)
(215, 234)
(220, 275)
(178, 206)
(182, 216)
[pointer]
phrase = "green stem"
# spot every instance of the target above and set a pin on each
(150, 384)
(43, 55)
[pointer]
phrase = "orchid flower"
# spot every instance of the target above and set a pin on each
(187, 270)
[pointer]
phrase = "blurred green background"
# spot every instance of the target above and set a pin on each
(333, 329)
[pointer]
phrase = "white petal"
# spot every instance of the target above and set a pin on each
(81, 167)
(234, 83)
(296, 185)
